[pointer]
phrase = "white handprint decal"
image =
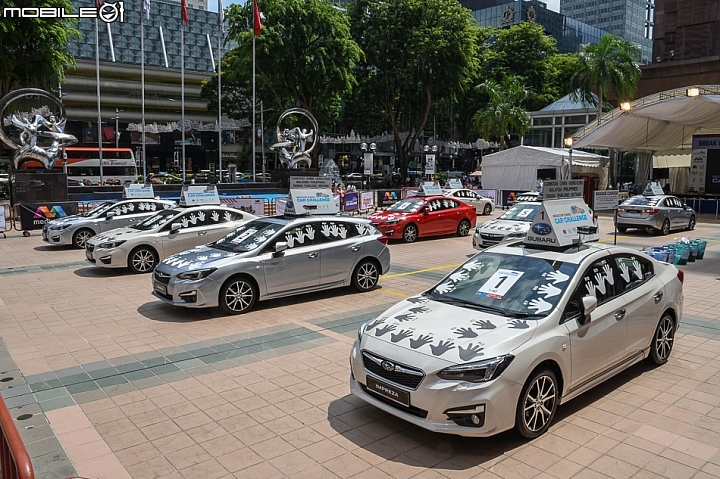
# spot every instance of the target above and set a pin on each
(185, 222)
(131, 207)
(473, 265)
(310, 232)
(609, 277)
(557, 277)
(215, 255)
(227, 216)
(201, 215)
(152, 206)
(445, 288)
(141, 206)
(590, 287)
(124, 209)
(342, 231)
(636, 266)
(624, 272)
(539, 305)
(193, 218)
(300, 236)
(459, 275)
(325, 230)
(202, 258)
(334, 230)
(215, 216)
(600, 280)
(549, 290)
(290, 240)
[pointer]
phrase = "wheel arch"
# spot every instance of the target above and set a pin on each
(671, 311)
(252, 279)
(142, 245)
(552, 365)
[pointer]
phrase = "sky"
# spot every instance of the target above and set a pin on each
(552, 4)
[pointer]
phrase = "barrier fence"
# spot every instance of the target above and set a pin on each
(14, 459)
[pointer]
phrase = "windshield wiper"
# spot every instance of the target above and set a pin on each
(519, 314)
(468, 304)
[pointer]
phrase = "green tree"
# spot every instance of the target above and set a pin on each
(559, 70)
(34, 51)
(503, 113)
(417, 52)
(611, 65)
(305, 55)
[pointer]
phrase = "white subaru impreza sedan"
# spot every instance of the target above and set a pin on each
(515, 332)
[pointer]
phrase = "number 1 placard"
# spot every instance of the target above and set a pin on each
(499, 283)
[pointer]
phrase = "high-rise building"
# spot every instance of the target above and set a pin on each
(632, 20)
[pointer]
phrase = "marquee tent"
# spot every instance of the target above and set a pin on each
(517, 168)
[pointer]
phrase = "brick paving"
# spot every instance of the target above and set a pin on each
(108, 382)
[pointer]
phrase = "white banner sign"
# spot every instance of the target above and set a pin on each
(368, 162)
(254, 206)
(199, 195)
(429, 164)
(492, 194)
(454, 184)
(137, 190)
(556, 189)
(556, 222)
(606, 199)
(312, 201)
(367, 200)
(429, 189)
(297, 182)
(698, 161)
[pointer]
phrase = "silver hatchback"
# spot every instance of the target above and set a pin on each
(662, 213)
(274, 257)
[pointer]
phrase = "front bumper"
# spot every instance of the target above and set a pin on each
(58, 237)
(434, 397)
(203, 293)
(107, 258)
(391, 231)
(482, 240)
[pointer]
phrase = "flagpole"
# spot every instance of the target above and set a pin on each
(142, 87)
(253, 97)
(97, 72)
(182, 93)
(219, 71)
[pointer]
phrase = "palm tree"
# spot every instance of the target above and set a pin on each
(503, 113)
(611, 64)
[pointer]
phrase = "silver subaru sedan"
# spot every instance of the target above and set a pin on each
(661, 213)
(274, 257)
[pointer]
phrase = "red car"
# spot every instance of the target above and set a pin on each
(412, 218)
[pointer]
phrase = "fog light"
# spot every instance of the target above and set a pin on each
(468, 416)
(106, 260)
(475, 419)
(189, 297)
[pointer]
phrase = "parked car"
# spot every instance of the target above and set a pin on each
(661, 213)
(482, 205)
(354, 177)
(274, 257)
(515, 332)
(416, 217)
(141, 246)
(77, 229)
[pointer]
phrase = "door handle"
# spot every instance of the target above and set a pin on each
(440, 216)
(202, 233)
(620, 314)
(313, 254)
(658, 296)
(356, 247)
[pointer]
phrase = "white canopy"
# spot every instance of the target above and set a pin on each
(659, 123)
(516, 168)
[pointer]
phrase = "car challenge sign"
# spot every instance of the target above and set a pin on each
(557, 222)
(556, 189)
(311, 201)
(199, 195)
(138, 191)
(429, 189)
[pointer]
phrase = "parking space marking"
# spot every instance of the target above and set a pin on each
(418, 271)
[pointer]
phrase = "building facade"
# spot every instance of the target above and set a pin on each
(569, 33)
(632, 20)
(550, 126)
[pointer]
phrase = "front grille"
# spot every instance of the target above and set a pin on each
(89, 248)
(161, 277)
(415, 411)
(410, 379)
(491, 237)
(166, 296)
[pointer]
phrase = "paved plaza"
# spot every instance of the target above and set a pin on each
(105, 381)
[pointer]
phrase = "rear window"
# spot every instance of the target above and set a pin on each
(642, 201)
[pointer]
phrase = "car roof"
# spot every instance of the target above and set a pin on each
(571, 254)
(288, 219)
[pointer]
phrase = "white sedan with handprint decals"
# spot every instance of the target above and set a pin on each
(514, 332)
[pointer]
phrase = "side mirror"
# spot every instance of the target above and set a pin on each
(589, 303)
(175, 227)
(280, 246)
(110, 215)
(425, 212)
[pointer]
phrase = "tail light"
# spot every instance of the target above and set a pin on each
(383, 239)
(621, 210)
(595, 216)
(651, 211)
(681, 276)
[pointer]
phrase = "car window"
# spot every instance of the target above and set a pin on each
(435, 205)
(599, 280)
(123, 208)
(336, 231)
(302, 235)
(409, 205)
(249, 236)
(146, 206)
(154, 221)
(640, 200)
(223, 216)
(634, 270)
(192, 219)
(521, 212)
(516, 286)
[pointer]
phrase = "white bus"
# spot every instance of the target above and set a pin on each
(83, 165)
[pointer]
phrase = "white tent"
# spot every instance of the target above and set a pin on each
(517, 168)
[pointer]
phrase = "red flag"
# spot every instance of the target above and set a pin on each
(257, 26)
(98, 4)
(186, 19)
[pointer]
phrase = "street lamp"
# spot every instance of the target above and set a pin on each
(368, 157)
(569, 143)
(117, 127)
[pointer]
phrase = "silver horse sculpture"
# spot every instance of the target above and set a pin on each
(34, 125)
(296, 144)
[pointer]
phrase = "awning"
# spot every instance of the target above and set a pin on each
(675, 160)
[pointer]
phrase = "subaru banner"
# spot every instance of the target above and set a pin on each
(34, 215)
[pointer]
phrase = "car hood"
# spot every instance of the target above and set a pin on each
(200, 257)
(451, 333)
(506, 226)
(69, 219)
(381, 216)
(118, 234)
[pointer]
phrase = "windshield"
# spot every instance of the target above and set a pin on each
(407, 206)
(157, 220)
(521, 212)
(101, 208)
(509, 285)
(248, 236)
(642, 201)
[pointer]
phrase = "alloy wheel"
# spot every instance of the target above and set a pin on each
(464, 228)
(664, 337)
(410, 233)
(691, 225)
(539, 403)
(366, 276)
(143, 261)
(487, 210)
(666, 227)
(81, 238)
(239, 296)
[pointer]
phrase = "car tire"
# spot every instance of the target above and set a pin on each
(238, 295)
(81, 236)
(487, 210)
(662, 341)
(142, 259)
(537, 404)
(665, 228)
(410, 234)
(463, 228)
(622, 229)
(691, 224)
(366, 275)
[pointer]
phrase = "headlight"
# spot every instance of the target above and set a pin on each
(361, 331)
(197, 274)
(517, 235)
(111, 244)
(477, 372)
(391, 222)
(60, 227)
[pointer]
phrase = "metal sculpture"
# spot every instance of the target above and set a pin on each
(40, 122)
(296, 144)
